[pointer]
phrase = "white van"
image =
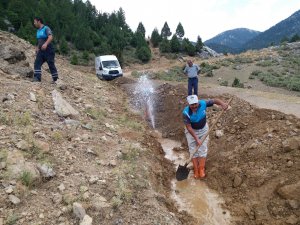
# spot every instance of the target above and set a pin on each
(107, 67)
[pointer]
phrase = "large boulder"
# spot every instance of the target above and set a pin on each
(62, 107)
(13, 61)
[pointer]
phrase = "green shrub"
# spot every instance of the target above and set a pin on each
(74, 60)
(26, 178)
(24, 119)
(12, 219)
(241, 60)
(294, 85)
(237, 83)
(165, 46)
(251, 77)
(224, 83)
(266, 63)
(144, 53)
(209, 74)
(135, 73)
(256, 72)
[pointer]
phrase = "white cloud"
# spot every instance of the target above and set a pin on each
(206, 18)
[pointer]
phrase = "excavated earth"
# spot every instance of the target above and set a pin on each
(108, 164)
(254, 165)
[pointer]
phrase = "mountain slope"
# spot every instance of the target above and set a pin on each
(231, 40)
(286, 28)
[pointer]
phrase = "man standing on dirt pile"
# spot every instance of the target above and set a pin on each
(194, 117)
(44, 51)
(192, 71)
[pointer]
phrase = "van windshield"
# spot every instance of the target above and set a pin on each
(110, 64)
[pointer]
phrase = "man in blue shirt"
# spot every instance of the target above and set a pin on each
(192, 71)
(194, 117)
(44, 51)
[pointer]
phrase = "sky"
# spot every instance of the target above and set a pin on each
(206, 18)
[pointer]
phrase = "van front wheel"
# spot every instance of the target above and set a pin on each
(100, 77)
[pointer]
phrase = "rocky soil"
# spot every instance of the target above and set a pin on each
(75, 153)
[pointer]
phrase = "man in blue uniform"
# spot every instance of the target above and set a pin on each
(44, 51)
(194, 117)
(192, 71)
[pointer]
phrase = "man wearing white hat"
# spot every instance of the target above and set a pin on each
(194, 117)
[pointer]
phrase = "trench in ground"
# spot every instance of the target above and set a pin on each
(190, 195)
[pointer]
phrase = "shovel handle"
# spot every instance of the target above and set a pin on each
(205, 136)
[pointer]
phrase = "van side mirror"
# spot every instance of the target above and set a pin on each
(100, 67)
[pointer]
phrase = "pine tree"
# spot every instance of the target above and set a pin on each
(165, 31)
(121, 18)
(27, 32)
(144, 53)
(295, 38)
(199, 44)
(155, 38)
(74, 60)
(63, 47)
(141, 29)
(180, 31)
(164, 46)
(175, 44)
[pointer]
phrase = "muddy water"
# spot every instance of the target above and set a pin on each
(193, 195)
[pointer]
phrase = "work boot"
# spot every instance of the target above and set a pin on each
(202, 167)
(196, 167)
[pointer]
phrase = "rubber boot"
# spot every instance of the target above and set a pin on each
(196, 167)
(202, 167)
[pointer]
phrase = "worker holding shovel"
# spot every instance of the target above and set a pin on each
(194, 117)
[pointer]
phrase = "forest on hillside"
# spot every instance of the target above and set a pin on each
(79, 26)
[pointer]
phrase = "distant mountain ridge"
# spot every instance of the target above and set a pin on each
(284, 29)
(243, 39)
(232, 40)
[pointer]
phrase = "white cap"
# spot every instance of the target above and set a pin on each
(192, 99)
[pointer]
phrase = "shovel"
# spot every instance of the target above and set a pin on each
(182, 171)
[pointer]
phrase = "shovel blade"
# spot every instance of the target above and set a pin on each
(182, 172)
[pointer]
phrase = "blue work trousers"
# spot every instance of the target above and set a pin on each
(193, 83)
(45, 56)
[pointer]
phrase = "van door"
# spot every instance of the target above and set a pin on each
(99, 68)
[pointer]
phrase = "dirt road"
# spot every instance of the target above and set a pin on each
(266, 100)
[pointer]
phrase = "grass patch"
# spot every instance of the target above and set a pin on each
(242, 60)
(12, 219)
(125, 121)
(6, 118)
(3, 155)
(267, 63)
(207, 68)
(96, 114)
(173, 74)
(11, 118)
(24, 119)
(277, 79)
(224, 83)
(57, 136)
(26, 179)
(131, 154)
